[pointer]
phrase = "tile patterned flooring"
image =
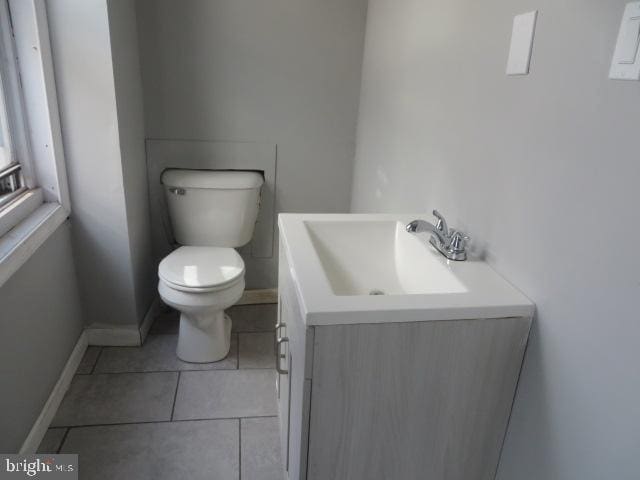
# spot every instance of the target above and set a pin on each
(141, 413)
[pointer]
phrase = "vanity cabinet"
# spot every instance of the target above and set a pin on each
(393, 400)
(294, 350)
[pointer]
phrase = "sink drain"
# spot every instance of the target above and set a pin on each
(375, 291)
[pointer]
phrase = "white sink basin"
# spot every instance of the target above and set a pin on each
(379, 258)
(365, 268)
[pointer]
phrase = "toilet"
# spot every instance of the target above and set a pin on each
(211, 213)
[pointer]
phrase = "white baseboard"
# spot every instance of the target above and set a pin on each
(96, 335)
(254, 297)
(113, 336)
(152, 313)
(124, 336)
(130, 336)
(32, 442)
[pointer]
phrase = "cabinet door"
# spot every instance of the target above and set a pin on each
(299, 347)
(295, 386)
(283, 385)
(413, 401)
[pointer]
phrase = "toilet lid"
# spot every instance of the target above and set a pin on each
(201, 267)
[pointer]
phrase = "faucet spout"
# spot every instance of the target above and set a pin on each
(418, 226)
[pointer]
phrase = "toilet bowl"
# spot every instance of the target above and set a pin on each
(201, 282)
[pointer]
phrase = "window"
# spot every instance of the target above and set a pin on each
(12, 182)
(34, 198)
(5, 147)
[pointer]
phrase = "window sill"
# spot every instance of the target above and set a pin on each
(18, 244)
(19, 209)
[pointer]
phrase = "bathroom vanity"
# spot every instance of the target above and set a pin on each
(394, 362)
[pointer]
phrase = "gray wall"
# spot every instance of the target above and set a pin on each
(39, 326)
(102, 133)
(130, 111)
(543, 172)
(278, 71)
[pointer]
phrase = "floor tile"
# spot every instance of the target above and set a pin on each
(257, 350)
(117, 398)
(253, 318)
(260, 449)
(51, 441)
(158, 354)
(88, 360)
(167, 322)
(225, 394)
(157, 451)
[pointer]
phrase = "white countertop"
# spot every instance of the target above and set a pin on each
(486, 294)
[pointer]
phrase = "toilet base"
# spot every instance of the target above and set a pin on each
(204, 339)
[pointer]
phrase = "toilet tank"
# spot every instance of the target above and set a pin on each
(212, 208)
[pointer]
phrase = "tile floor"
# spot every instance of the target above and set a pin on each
(140, 413)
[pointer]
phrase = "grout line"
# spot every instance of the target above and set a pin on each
(255, 331)
(167, 371)
(93, 368)
(258, 304)
(146, 422)
(175, 396)
(138, 372)
(240, 449)
(64, 439)
(150, 334)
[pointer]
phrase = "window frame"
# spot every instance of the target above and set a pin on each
(6, 153)
(28, 220)
(15, 149)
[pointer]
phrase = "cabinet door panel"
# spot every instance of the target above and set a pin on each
(299, 388)
(283, 382)
(413, 401)
(294, 412)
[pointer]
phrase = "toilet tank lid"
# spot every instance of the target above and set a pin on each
(219, 179)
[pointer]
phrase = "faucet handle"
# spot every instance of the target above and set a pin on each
(442, 223)
(458, 242)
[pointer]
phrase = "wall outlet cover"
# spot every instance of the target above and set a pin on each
(521, 43)
(626, 57)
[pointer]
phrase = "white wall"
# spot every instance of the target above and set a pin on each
(543, 172)
(103, 142)
(40, 322)
(277, 71)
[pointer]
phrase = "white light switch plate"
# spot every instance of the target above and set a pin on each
(626, 58)
(521, 43)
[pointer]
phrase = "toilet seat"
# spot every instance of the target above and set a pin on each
(201, 269)
(184, 289)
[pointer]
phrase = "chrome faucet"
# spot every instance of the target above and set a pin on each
(419, 226)
(450, 243)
